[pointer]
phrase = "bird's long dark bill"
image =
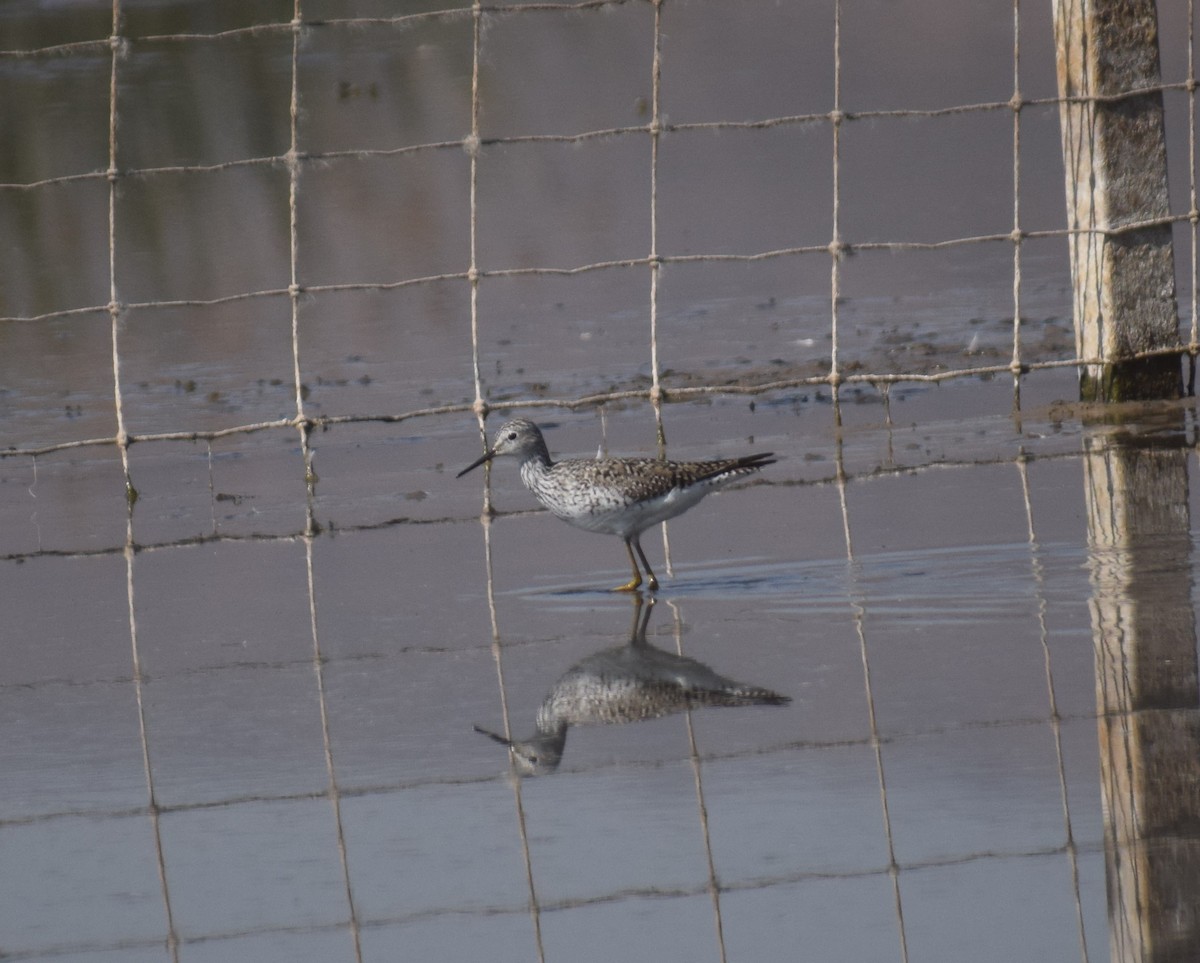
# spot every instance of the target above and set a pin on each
(487, 456)
(492, 735)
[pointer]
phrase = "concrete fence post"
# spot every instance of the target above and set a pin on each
(1115, 155)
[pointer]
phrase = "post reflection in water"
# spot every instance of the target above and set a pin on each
(1147, 690)
(627, 683)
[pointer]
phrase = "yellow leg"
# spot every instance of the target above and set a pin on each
(634, 583)
(651, 581)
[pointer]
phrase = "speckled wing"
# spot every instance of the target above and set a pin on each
(625, 480)
(624, 495)
(716, 473)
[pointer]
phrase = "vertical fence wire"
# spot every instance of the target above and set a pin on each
(117, 47)
(117, 44)
(1037, 570)
(497, 651)
(1194, 206)
(535, 905)
(480, 408)
(655, 137)
(858, 613)
(335, 793)
(172, 935)
(835, 244)
(311, 528)
(479, 405)
(303, 425)
(656, 392)
(1016, 189)
(713, 883)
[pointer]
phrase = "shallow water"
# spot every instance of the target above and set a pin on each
(941, 748)
(239, 711)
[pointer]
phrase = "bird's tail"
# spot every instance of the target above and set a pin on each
(725, 471)
(742, 695)
(754, 462)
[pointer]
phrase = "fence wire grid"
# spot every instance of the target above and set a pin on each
(133, 50)
(122, 47)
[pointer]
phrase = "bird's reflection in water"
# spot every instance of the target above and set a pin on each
(626, 683)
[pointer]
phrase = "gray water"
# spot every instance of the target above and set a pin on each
(238, 712)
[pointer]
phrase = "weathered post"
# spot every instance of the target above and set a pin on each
(1116, 164)
(1147, 688)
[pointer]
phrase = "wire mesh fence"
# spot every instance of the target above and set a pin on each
(266, 242)
(135, 177)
